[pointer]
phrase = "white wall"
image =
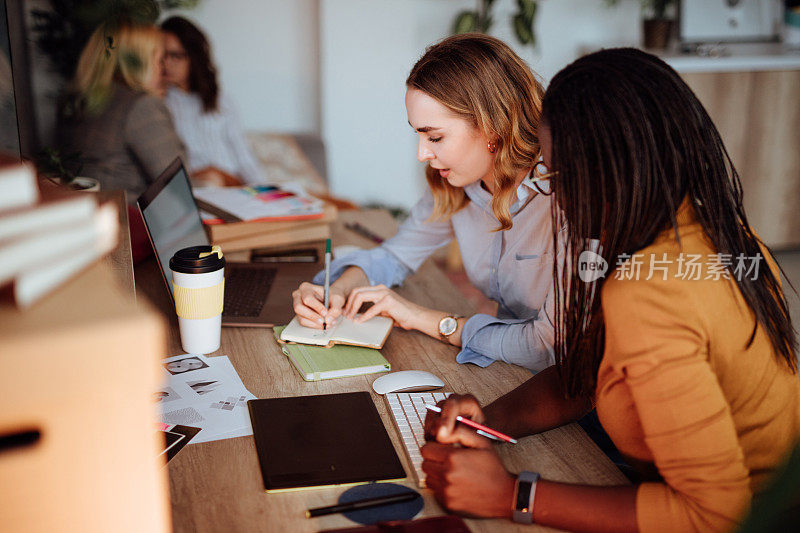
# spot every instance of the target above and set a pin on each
(369, 46)
(567, 29)
(267, 55)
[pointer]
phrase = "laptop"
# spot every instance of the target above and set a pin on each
(256, 294)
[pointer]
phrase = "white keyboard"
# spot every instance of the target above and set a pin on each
(408, 411)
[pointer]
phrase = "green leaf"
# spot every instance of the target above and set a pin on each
(524, 29)
(527, 8)
(466, 21)
(178, 4)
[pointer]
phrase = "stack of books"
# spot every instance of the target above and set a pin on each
(44, 242)
(243, 218)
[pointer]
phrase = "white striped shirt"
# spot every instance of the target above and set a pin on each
(212, 139)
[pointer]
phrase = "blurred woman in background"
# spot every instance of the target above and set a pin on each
(206, 121)
(114, 116)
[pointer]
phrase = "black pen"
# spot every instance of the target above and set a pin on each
(362, 504)
(364, 232)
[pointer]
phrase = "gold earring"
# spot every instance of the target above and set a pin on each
(492, 147)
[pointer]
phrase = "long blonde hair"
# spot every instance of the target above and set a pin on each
(482, 80)
(124, 52)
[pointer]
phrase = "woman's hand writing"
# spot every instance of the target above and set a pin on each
(308, 305)
(385, 302)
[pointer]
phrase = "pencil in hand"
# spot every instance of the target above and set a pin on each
(479, 428)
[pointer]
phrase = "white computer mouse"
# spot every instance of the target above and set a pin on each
(406, 381)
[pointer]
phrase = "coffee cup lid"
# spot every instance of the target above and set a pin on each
(188, 260)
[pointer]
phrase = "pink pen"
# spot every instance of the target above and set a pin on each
(480, 428)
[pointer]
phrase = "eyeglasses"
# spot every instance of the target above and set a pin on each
(543, 173)
(175, 56)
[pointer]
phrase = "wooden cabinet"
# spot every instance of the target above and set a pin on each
(758, 116)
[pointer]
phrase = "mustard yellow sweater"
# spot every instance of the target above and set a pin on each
(681, 394)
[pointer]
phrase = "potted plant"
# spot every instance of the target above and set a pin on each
(658, 22)
(63, 169)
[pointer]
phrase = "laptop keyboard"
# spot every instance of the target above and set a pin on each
(246, 290)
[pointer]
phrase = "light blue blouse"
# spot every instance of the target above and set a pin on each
(513, 268)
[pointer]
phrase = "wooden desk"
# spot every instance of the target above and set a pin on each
(217, 486)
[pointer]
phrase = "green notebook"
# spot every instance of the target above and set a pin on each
(317, 362)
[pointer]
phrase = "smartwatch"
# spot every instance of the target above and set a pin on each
(448, 325)
(524, 492)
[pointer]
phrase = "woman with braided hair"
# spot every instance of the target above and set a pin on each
(693, 371)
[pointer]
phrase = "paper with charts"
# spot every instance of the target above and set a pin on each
(204, 392)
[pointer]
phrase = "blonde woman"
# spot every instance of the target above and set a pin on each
(114, 116)
(475, 106)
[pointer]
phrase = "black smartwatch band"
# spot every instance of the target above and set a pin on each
(524, 493)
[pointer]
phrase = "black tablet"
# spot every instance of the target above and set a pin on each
(314, 441)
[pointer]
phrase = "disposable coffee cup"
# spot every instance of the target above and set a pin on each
(198, 284)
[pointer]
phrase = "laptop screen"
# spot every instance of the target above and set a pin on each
(172, 217)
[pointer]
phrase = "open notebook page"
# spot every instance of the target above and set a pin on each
(371, 333)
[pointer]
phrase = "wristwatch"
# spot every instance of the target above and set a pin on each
(524, 491)
(448, 325)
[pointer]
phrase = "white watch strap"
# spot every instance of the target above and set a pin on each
(524, 493)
